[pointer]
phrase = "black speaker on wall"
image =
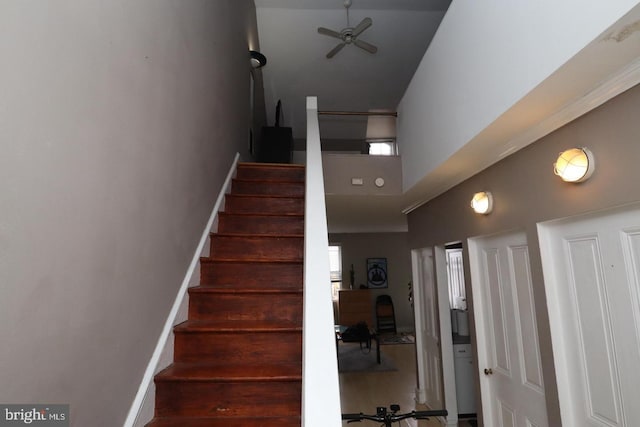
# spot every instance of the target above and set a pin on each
(276, 143)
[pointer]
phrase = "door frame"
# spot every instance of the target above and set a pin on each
(439, 275)
(446, 336)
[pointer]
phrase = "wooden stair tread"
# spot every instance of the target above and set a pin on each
(274, 180)
(260, 223)
(270, 165)
(226, 422)
(256, 272)
(280, 180)
(207, 260)
(229, 372)
(252, 246)
(276, 186)
(258, 236)
(234, 289)
(250, 258)
(284, 165)
(256, 259)
(263, 196)
(263, 214)
(236, 202)
(196, 326)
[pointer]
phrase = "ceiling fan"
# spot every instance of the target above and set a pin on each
(349, 35)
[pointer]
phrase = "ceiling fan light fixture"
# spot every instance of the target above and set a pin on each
(349, 35)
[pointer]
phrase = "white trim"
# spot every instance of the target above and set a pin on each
(617, 83)
(149, 373)
(446, 335)
(320, 382)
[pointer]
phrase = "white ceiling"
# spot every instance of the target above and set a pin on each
(353, 80)
(436, 5)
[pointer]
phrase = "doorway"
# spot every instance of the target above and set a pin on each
(591, 267)
(437, 385)
(464, 365)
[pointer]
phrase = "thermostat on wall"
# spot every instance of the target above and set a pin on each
(379, 182)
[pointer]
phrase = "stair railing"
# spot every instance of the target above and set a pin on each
(320, 385)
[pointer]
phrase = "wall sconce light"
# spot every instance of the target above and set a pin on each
(257, 59)
(574, 165)
(482, 202)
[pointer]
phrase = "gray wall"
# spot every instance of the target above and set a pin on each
(118, 123)
(357, 247)
(340, 169)
(526, 192)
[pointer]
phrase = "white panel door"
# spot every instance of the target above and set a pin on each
(512, 389)
(591, 268)
(428, 329)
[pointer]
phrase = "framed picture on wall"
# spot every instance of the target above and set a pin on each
(377, 273)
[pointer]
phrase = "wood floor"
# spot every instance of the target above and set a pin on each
(363, 392)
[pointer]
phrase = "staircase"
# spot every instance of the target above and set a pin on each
(238, 357)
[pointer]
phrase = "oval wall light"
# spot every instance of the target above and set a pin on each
(257, 59)
(574, 165)
(482, 202)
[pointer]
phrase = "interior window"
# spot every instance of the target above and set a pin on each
(457, 293)
(382, 149)
(335, 264)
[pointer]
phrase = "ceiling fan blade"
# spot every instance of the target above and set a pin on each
(330, 33)
(335, 50)
(366, 46)
(363, 25)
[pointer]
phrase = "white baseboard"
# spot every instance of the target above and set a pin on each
(141, 410)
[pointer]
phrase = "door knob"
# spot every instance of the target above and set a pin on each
(488, 371)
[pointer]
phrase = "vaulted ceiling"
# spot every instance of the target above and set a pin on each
(354, 79)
